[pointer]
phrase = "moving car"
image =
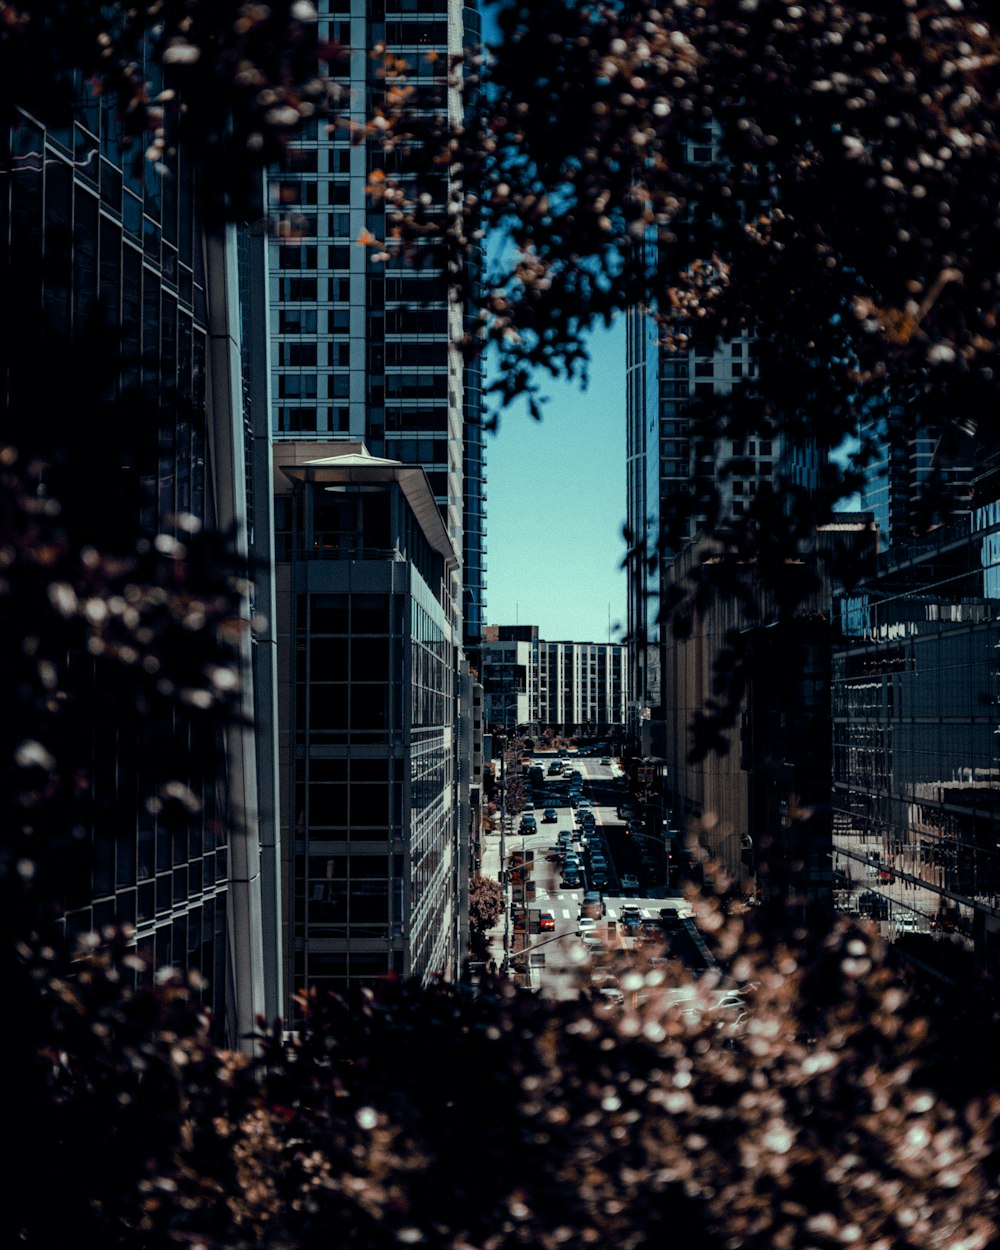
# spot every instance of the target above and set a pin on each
(586, 924)
(592, 943)
(630, 881)
(630, 916)
(605, 759)
(599, 876)
(546, 922)
(549, 816)
(592, 904)
(528, 823)
(649, 931)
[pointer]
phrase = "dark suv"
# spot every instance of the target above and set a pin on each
(592, 904)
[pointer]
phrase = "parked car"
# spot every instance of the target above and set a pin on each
(605, 759)
(611, 996)
(630, 881)
(546, 921)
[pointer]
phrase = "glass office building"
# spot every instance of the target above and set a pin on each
(368, 643)
(915, 737)
(95, 239)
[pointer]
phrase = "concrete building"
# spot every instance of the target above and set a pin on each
(758, 801)
(574, 688)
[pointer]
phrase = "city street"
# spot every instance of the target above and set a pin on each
(559, 963)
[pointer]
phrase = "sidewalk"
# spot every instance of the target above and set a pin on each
(491, 867)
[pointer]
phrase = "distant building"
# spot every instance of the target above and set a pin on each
(376, 847)
(907, 462)
(574, 688)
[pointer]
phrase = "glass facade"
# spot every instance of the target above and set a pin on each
(96, 241)
(369, 757)
(916, 769)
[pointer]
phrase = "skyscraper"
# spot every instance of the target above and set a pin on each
(365, 355)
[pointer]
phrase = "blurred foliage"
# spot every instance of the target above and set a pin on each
(478, 1115)
(231, 81)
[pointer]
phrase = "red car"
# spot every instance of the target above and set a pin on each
(547, 921)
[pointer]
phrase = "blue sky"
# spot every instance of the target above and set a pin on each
(556, 506)
(556, 499)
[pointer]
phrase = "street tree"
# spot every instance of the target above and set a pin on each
(485, 903)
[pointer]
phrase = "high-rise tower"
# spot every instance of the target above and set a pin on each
(365, 355)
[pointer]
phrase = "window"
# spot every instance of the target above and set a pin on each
(297, 386)
(297, 321)
(296, 256)
(297, 354)
(298, 289)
